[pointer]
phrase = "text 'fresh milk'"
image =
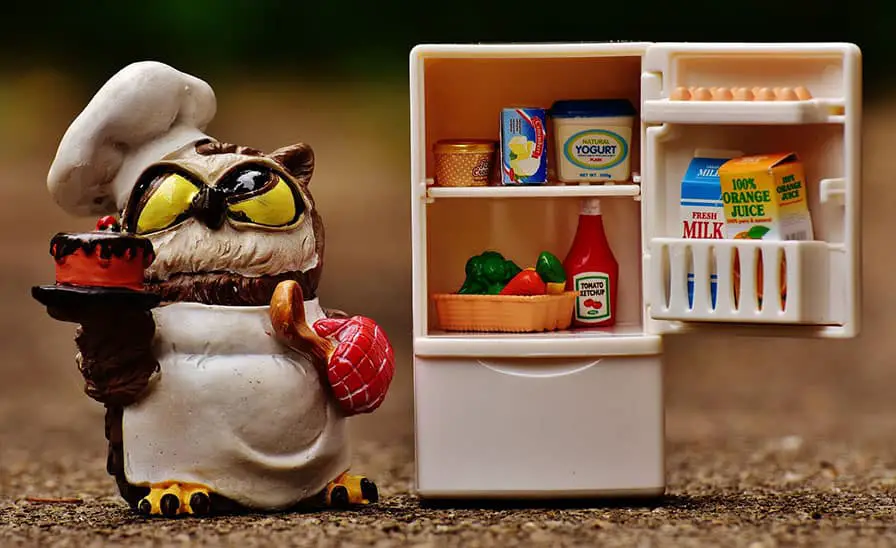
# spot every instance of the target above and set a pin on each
(702, 209)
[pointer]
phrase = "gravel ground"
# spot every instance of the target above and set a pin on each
(754, 491)
(770, 442)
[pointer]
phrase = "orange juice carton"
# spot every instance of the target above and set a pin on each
(764, 197)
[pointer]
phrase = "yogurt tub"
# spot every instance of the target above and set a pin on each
(592, 139)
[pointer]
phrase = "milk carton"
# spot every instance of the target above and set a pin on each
(524, 146)
(702, 211)
(765, 198)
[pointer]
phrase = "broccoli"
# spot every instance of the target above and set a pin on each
(488, 273)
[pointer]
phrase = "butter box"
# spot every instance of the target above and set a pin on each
(524, 146)
(764, 197)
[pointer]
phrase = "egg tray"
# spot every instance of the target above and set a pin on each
(505, 313)
(758, 93)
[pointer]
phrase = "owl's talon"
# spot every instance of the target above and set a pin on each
(339, 497)
(200, 504)
(347, 490)
(369, 491)
(175, 499)
(145, 507)
(169, 505)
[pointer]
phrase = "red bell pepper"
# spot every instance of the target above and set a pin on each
(527, 282)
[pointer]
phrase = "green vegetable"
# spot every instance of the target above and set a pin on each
(495, 289)
(472, 287)
(550, 268)
(757, 232)
(487, 274)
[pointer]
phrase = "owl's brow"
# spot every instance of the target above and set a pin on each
(207, 147)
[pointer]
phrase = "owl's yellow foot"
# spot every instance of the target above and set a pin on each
(347, 490)
(171, 499)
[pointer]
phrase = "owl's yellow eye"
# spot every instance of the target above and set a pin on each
(167, 204)
(277, 205)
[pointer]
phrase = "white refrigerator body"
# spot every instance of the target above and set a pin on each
(580, 414)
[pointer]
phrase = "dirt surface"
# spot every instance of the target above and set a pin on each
(770, 442)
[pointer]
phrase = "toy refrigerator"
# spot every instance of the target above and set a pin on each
(580, 412)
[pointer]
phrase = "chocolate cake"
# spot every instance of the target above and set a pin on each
(105, 257)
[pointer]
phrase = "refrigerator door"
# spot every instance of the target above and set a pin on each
(539, 428)
(756, 99)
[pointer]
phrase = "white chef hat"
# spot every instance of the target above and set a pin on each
(144, 112)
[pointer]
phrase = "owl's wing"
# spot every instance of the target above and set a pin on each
(358, 358)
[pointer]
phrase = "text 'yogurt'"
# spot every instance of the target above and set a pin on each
(593, 139)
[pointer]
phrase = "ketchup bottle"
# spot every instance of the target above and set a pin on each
(592, 270)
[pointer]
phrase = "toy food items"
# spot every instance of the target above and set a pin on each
(464, 162)
(523, 146)
(800, 93)
(592, 270)
(487, 273)
(702, 214)
(527, 282)
(523, 303)
(552, 272)
(490, 273)
(592, 139)
(765, 199)
(766, 191)
(103, 258)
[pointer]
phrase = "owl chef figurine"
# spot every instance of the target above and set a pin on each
(226, 384)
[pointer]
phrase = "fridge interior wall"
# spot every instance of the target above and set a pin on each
(464, 96)
(521, 228)
(463, 99)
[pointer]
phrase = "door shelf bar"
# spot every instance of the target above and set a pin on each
(814, 111)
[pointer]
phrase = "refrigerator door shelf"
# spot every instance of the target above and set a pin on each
(743, 112)
(828, 75)
(539, 428)
(804, 265)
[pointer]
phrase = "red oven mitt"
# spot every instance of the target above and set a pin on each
(362, 365)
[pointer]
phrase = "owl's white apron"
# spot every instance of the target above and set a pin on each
(234, 410)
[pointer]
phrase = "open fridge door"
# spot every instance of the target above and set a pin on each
(737, 100)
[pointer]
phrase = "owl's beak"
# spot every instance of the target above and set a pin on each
(209, 207)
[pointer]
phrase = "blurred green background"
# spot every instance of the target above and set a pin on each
(357, 39)
(335, 75)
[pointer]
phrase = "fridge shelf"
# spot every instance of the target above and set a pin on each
(535, 191)
(813, 111)
(803, 266)
(619, 340)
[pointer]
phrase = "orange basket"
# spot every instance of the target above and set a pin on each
(505, 313)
